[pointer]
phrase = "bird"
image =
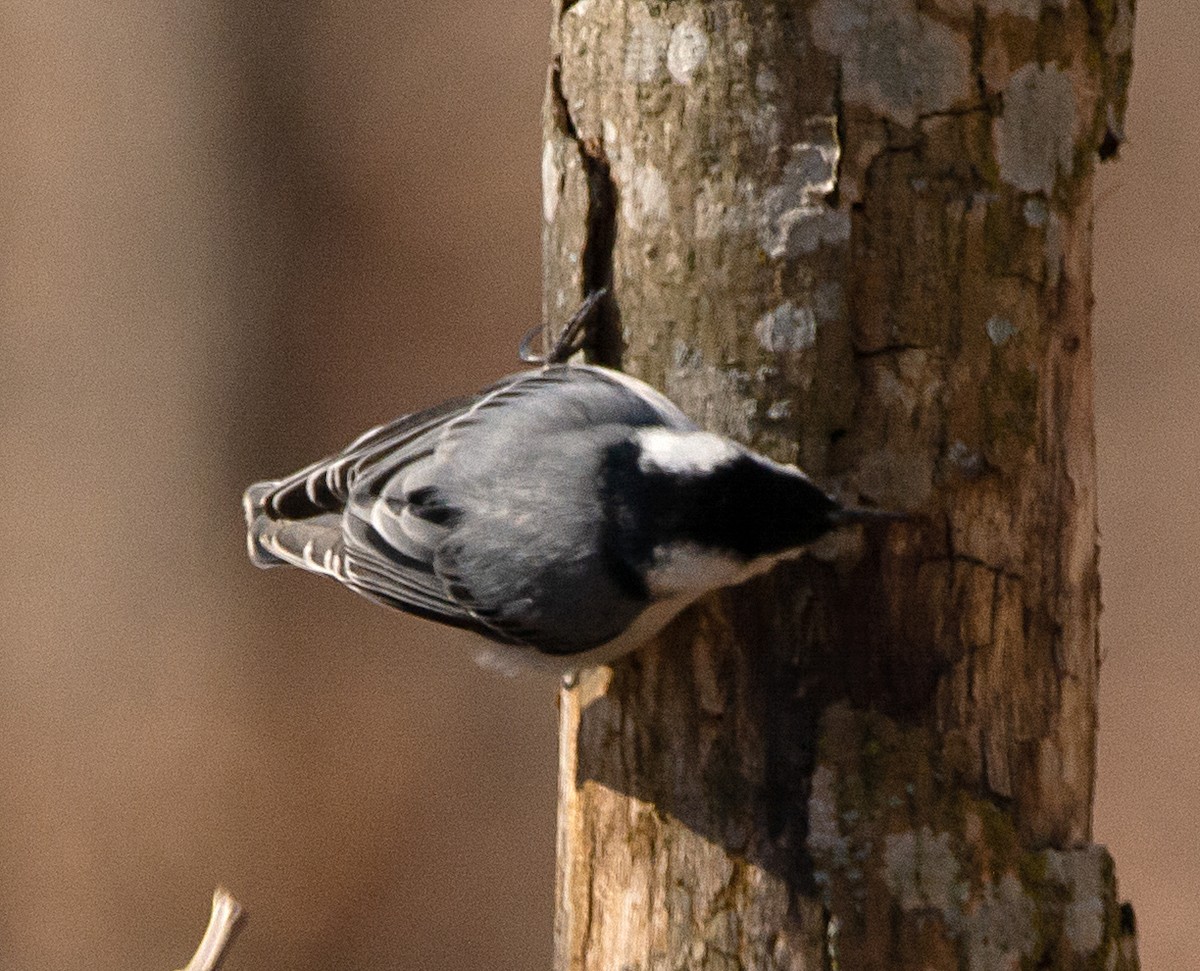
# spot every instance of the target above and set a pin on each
(566, 515)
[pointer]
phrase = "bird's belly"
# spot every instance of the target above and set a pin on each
(512, 659)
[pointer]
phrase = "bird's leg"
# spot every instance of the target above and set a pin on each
(572, 338)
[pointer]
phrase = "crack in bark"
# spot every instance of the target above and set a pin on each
(870, 171)
(833, 196)
(956, 557)
(600, 225)
(963, 112)
(829, 941)
(1022, 278)
(869, 352)
(591, 892)
(978, 42)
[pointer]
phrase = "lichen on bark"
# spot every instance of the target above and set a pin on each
(881, 755)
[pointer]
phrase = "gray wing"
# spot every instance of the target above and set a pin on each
(446, 512)
(305, 520)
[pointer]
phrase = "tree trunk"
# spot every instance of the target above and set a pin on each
(855, 234)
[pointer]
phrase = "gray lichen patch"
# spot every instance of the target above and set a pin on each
(1036, 211)
(795, 217)
(950, 863)
(686, 51)
(921, 869)
(787, 329)
(779, 410)
(1085, 874)
(791, 232)
(999, 929)
(1035, 136)
(968, 462)
(999, 329)
(895, 60)
(825, 839)
(790, 216)
(766, 82)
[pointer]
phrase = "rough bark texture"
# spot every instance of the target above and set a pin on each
(855, 234)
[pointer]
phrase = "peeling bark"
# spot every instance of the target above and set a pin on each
(857, 235)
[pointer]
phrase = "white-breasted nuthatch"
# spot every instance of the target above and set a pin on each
(570, 511)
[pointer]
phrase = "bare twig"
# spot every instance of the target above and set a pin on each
(222, 924)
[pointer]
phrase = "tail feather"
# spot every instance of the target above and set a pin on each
(258, 523)
(314, 543)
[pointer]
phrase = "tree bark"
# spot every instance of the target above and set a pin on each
(855, 234)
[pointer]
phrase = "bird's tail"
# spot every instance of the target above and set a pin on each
(259, 524)
(311, 543)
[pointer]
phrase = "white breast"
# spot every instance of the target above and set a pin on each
(678, 568)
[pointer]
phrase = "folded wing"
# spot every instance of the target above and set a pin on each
(399, 512)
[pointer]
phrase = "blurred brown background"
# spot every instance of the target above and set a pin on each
(233, 235)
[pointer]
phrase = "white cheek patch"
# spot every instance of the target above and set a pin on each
(678, 568)
(683, 453)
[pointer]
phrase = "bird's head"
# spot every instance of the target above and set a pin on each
(691, 509)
